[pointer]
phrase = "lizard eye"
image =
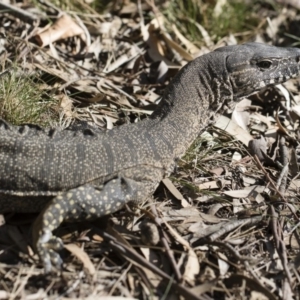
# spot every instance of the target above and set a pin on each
(264, 64)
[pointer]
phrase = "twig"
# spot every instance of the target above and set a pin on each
(169, 252)
(48, 4)
(122, 277)
(72, 81)
(287, 293)
(234, 252)
(110, 84)
(19, 13)
(274, 186)
(5, 71)
(294, 3)
(137, 260)
(279, 244)
(229, 226)
(282, 179)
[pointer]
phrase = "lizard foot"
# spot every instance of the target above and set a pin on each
(47, 247)
(79, 204)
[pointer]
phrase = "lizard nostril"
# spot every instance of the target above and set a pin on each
(297, 59)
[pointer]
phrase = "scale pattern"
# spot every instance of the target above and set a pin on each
(84, 173)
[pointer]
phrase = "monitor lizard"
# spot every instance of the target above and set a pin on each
(85, 173)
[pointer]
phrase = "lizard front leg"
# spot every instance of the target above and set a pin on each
(82, 203)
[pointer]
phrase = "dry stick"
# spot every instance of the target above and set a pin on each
(280, 246)
(282, 180)
(5, 71)
(137, 259)
(110, 84)
(104, 75)
(122, 277)
(169, 252)
(140, 272)
(251, 271)
(296, 273)
(63, 63)
(72, 81)
(89, 8)
(19, 13)
(287, 293)
(234, 252)
(294, 3)
(74, 285)
(48, 4)
(231, 225)
(260, 166)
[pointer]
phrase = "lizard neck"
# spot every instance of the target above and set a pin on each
(190, 104)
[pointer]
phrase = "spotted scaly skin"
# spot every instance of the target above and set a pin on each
(82, 173)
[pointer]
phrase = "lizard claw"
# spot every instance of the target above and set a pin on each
(84, 202)
(47, 246)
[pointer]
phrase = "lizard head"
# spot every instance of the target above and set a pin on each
(253, 66)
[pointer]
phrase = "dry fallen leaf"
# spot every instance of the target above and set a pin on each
(63, 28)
(16, 235)
(2, 221)
(258, 147)
(222, 262)
(174, 191)
(247, 192)
(152, 257)
(66, 105)
(211, 185)
(240, 115)
(56, 72)
(233, 129)
(82, 256)
(192, 267)
(280, 126)
(4, 295)
(183, 53)
(188, 44)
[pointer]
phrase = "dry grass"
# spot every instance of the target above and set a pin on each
(224, 227)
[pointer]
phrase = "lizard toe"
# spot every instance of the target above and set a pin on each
(47, 246)
(55, 259)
